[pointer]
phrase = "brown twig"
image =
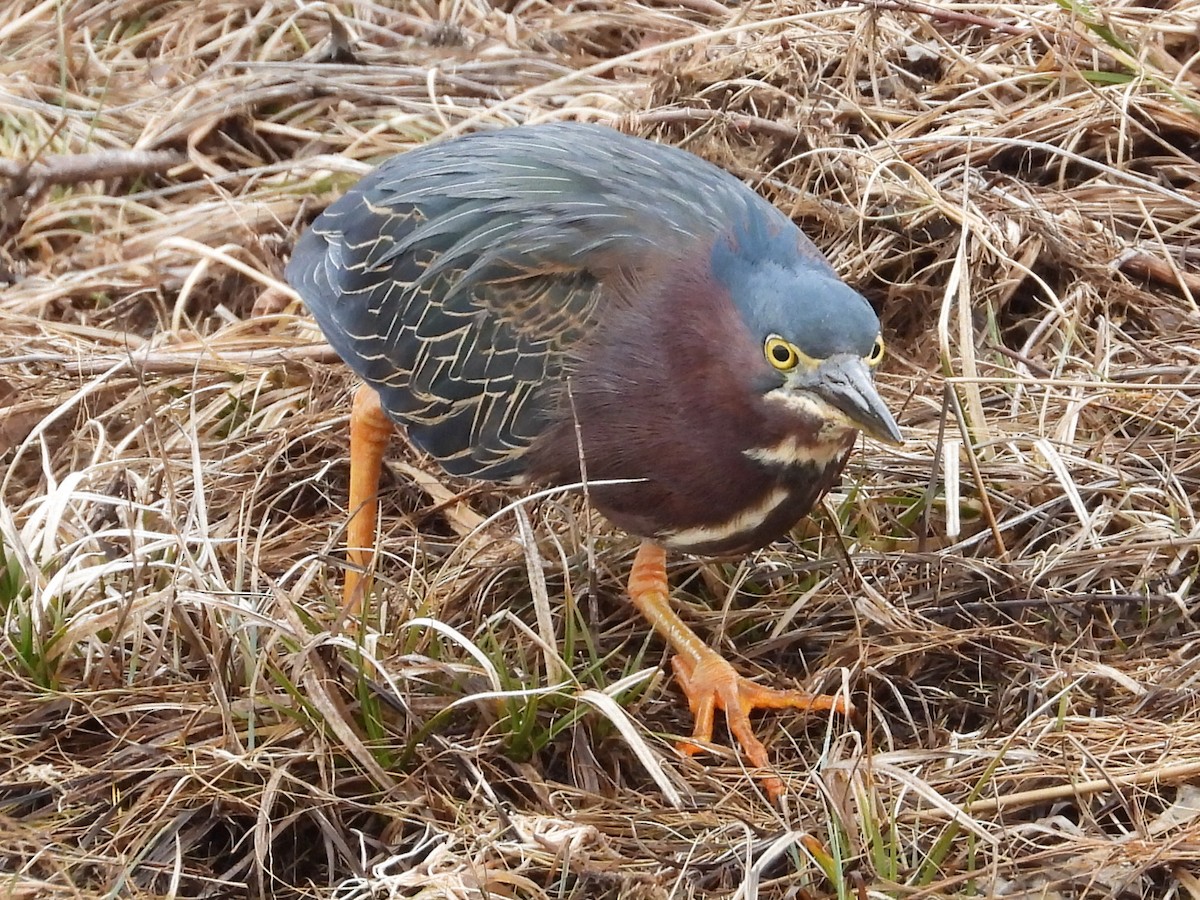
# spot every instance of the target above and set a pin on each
(739, 121)
(1144, 265)
(711, 7)
(163, 362)
(1167, 774)
(35, 176)
(947, 15)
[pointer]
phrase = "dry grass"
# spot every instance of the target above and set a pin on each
(1017, 185)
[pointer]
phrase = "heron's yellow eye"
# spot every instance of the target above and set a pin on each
(781, 354)
(875, 357)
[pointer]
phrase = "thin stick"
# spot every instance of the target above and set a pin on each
(1175, 772)
(73, 168)
(947, 15)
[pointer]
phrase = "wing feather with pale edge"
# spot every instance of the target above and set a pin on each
(456, 278)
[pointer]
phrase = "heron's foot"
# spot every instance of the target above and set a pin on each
(711, 683)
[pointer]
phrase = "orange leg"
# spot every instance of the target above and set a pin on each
(707, 679)
(370, 431)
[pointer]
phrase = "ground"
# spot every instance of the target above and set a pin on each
(1009, 598)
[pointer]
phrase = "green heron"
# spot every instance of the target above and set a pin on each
(554, 303)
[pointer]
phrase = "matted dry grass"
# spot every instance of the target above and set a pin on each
(1010, 597)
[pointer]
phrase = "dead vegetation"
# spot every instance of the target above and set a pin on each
(1010, 596)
